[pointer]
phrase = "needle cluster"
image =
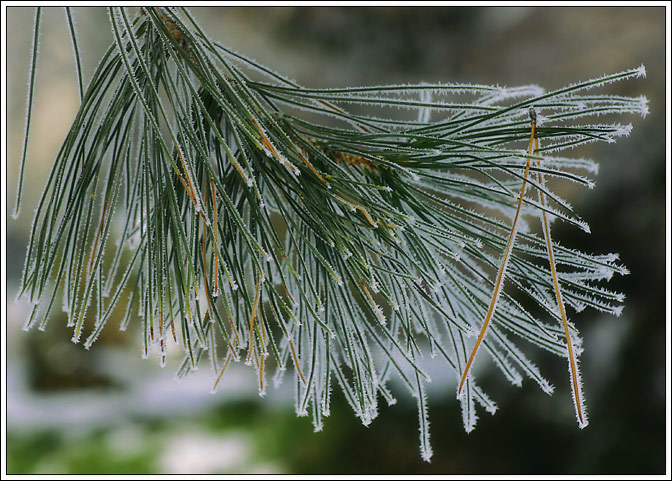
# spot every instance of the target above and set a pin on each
(334, 236)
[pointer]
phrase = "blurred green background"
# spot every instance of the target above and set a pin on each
(107, 411)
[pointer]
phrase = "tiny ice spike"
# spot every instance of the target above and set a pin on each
(249, 219)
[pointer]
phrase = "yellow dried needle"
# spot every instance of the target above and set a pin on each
(235, 331)
(214, 228)
(359, 208)
(341, 111)
(267, 143)
(573, 367)
(205, 271)
(190, 189)
(505, 258)
(254, 313)
(172, 329)
(373, 303)
(261, 375)
(310, 166)
(296, 361)
(226, 364)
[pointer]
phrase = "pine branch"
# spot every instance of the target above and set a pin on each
(194, 195)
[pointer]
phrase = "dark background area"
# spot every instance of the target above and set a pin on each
(55, 387)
